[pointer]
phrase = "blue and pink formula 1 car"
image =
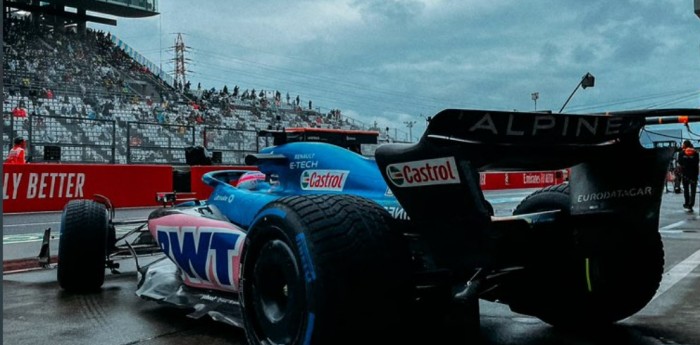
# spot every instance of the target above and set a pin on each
(321, 245)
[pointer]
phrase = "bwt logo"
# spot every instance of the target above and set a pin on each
(203, 253)
(423, 173)
(331, 180)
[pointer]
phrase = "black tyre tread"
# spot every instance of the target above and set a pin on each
(558, 191)
(82, 246)
(337, 225)
(635, 256)
(357, 258)
(346, 234)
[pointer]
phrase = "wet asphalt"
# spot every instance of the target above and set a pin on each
(37, 311)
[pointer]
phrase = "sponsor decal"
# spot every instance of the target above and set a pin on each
(548, 178)
(303, 165)
(615, 194)
(328, 180)
(43, 185)
(388, 192)
(424, 173)
(547, 125)
(397, 212)
(202, 253)
(538, 178)
(304, 156)
(531, 179)
(224, 198)
(218, 299)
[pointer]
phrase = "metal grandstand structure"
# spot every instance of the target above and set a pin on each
(111, 94)
(53, 12)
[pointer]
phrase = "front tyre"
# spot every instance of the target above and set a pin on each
(322, 269)
(586, 280)
(82, 246)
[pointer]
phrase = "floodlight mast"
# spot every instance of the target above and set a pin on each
(410, 124)
(588, 80)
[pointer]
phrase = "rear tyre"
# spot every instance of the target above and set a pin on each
(82, 246)
(583, 281)
(322, 269)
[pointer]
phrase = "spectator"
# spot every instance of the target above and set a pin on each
(19, 112)
(689, 161)
(91, 114)
(40, 124)
(17, 153)
(135, 140)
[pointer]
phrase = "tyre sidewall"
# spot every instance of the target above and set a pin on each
(354, 278)
(281, 223)
(82, 246)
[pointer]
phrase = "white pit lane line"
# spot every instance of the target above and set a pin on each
(27, 225)
(677, 273)
(39, 236)
(673, 228)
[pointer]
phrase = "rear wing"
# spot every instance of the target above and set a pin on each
(612, 175)
(538, 129)
(543, 141)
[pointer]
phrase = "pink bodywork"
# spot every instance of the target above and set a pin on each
(191, 234)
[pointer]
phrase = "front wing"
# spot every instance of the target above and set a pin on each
(162, 282)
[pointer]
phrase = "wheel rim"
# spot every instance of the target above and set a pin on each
(277, 294)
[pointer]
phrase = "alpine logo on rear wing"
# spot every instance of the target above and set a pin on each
(427, 172)
(543, 128)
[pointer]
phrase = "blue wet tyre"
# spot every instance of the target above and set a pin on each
(82, 246)
(322, 269)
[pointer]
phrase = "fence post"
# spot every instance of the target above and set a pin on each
(128, 143)
(114, 141)
(30, 137)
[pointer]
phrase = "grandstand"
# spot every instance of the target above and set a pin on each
(86, 98)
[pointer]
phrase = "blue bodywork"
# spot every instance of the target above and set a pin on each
(300, 168)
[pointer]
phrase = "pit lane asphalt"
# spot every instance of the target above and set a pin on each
(37, 311)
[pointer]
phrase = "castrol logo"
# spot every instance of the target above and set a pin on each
(329, 180)
(423, 173)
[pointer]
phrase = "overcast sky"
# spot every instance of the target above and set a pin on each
(394, 61)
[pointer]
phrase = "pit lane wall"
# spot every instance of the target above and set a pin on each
(48, 187)
(518, 180)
